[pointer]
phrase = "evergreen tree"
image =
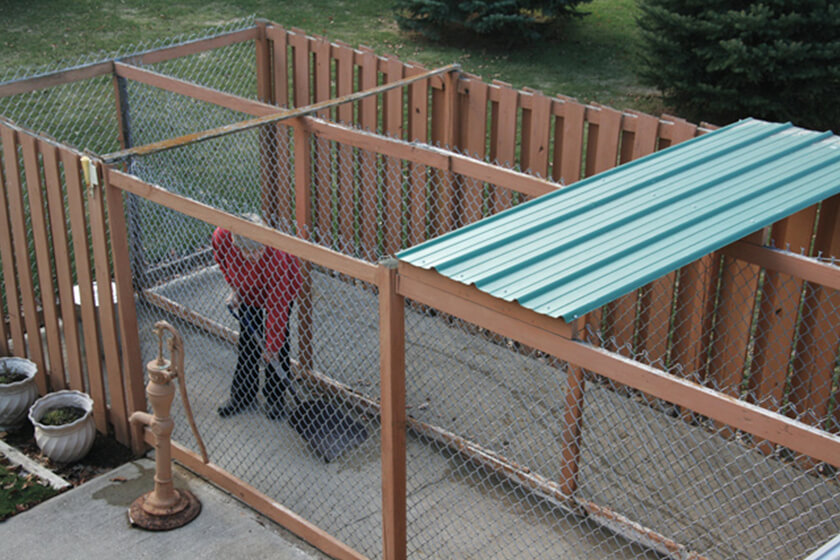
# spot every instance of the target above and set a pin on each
(510, 21)
(721, 60)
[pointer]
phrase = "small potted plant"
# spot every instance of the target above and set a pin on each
(64, 428)
(17, 390)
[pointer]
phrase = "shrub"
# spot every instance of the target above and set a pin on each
(508, 21)
(721, 60)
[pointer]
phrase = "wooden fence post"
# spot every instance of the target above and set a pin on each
(303, 210)
(134, 229)
(392, 383)
(572, 422)
(108, 322)
(132, 362)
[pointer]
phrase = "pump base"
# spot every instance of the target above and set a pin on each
(185, 510)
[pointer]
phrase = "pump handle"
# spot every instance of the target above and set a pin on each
(176, 352)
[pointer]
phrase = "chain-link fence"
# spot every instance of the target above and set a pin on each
(276, 426)
(81, 113)
(752, 333)
(499, 414)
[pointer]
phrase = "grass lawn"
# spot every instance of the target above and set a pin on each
(19, 492)
(594, 61)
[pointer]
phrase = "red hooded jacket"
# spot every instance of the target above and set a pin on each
(270, 283)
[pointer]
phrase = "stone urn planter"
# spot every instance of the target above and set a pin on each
(17, 390)
(64, 428)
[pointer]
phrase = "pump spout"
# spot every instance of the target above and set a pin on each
(142, 418)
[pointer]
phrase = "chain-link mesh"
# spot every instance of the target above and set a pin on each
(301, 428)
(370, 205)
(755, 334)
(496, 415)
(82, 113)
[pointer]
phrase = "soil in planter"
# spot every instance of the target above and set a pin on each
(7, 377)
(61, 415)
(105, 455)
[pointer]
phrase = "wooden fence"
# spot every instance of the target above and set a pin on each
(80, 251)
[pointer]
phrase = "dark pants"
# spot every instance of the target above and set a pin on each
(246, 378)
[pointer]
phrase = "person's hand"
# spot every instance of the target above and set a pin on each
(232, 301)
(269, 357)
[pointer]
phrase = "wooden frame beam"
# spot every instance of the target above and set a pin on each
(798, 266)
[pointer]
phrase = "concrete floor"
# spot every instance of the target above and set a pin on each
(91, 521)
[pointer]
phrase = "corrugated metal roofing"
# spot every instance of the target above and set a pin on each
(571, 251)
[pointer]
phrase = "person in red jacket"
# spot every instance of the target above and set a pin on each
(264, 283)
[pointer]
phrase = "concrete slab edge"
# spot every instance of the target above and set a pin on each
(33, 467)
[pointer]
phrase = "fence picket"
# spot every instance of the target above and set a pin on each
(652, 327)
(655, 326)
(443, 134)
(693, 316)
(816, 355)
(536, 127)
(568, 143)
(63, 270)
(131, 380)
(602, 144)
(22, 261)
(503, 138)
(7, 256)
(323, 195)
(107, 319)
(368, 188)
(778, 314)
(84, 279)
(473, 108)
(282, 93)
(678, 130)
(345, 168)
(37, 214)
(300, 69)
(418, 130)
(279, 43)
(739, 283)
(392, 109)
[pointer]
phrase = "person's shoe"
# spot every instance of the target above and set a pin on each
(231, 408)
(275, 411)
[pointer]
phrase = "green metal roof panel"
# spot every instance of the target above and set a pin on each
(573, 250)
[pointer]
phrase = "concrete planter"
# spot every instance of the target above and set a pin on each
(69, 442)
(17, 397)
